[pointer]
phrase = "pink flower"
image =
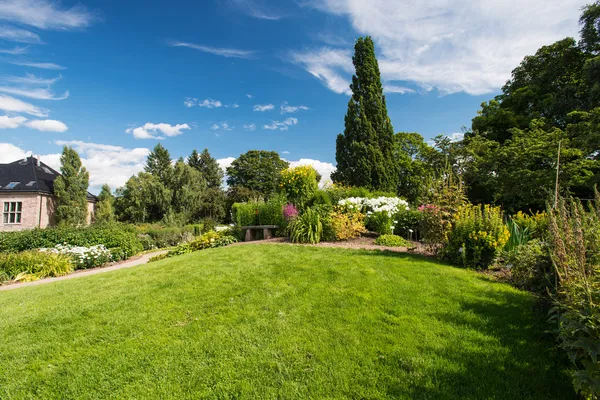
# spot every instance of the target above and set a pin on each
(290, 212)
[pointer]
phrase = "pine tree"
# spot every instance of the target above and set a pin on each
(364, 152)
(159, 163)
(211, 170)
(105, 212)
(70, 189)
(194, 160)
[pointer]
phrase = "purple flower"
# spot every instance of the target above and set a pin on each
(290, 212)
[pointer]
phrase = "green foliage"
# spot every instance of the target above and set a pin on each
(244, 214)
(380, 222)
(299, 184)
(345, 224)
(535, 223)
(158, 163)
(478, 233)
(392, 241)
(33, 265)
(70, 189)
(414, 169)
(320, 198)
(575, 254)
(206, 241)
(104, 212)
(590, 33)
(170, 236)
(208, 167)
(144, 198)
(260, 213)
(117, 235)
(257, 170)
(408, 223)
(158, 258)
(518, 236)
(530, 266)
(307, 227)
(365, 151)
(337, 192)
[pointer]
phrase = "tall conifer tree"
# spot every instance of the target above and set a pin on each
(364, 152)
(70, 189)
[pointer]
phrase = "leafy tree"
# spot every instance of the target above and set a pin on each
(590, 28)
(257, 170)
(365, 151)
(239, 194)
(414, 170)
(208, 166)
(159, 163)
(105, 211)
(187, 186)
(70, 189)
(144, 198)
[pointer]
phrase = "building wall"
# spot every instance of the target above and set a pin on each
(38, 211)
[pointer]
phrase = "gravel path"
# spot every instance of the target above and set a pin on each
(87, 272)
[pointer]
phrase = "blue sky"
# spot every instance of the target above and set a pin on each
(114, 78)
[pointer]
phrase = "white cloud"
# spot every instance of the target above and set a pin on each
(40, 65)
(397, 89)
(249, 96)
(44, 125)
(235, 105)
(449, 45)
(18, 35)
(10, 104)
(281, 125)
(210, 103)
(333, 67)
(223, 52)
(285, 152)
(9, 153)
(155, 131)
(256, 9)
(31, 79)
(15, 51)
(7, 122)
(250, 127)
(222, 126)
(44, 14)
(264, 107)
(456, 136)
(225, 162)
(33, 93)
(47, 125)
(286, 108)
(190, 102)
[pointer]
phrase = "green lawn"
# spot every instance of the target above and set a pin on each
(278, 321)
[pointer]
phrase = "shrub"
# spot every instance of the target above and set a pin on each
(259, 213)
(518, 236)
(207, 240)
(146, 242)
(346, 225)
(118, 254)
(434, 226)
(158, 258)
(307, 228)
(244, 214)
(477, 235)
(408, 223)
(84, 257)
(380, 211)
(392, 241)
(530, 266)
(170, 236)
(536, 224)
(290, 212)
(32, 265)
(299, 184)
(321, 197)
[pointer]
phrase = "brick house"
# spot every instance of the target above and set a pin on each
(27, 195)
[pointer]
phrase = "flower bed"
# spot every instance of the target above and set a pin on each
(83, 257)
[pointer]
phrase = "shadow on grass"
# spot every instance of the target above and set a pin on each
(511, 357)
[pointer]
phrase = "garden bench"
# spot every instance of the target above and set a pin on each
(267, 231)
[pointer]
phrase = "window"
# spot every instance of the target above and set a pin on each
(12, 212)
(11, 185)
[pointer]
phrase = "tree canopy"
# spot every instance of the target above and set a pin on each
(257, 170)
(70, 189)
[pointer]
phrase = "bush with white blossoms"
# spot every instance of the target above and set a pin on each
(380, 211)
(84, 257)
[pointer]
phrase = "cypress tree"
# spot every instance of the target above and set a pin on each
(364, 152)
(70, 189)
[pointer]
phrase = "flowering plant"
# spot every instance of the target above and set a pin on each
(83, 257)
(299, 184)
(290, 212)
(380, 211)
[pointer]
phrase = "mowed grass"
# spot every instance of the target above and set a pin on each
(278, 322)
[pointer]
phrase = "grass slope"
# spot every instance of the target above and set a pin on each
(277, 321)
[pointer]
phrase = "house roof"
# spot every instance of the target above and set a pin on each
(29, 175)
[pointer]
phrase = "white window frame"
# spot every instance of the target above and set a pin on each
(14, 209)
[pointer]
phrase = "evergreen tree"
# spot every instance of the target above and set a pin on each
(365, 151)
(208, 166)
(70, 189)
(105, 211)
(159, 163)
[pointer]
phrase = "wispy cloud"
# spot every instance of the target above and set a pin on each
(219, 51)
(31, 79)
(44, 14)
(40, 65)
(286, 108)
(235, 105)
(397, 89)
(33, 93)
(156, 131)
(250, 127)
(44, 125)
(264, 107)
(285, 152)
(14, 51)
(18, 35)
(433, 47)
(281, 125)
(257, 9)
(12, 105)
(249, 96)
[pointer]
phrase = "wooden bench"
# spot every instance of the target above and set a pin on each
(267, 231)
